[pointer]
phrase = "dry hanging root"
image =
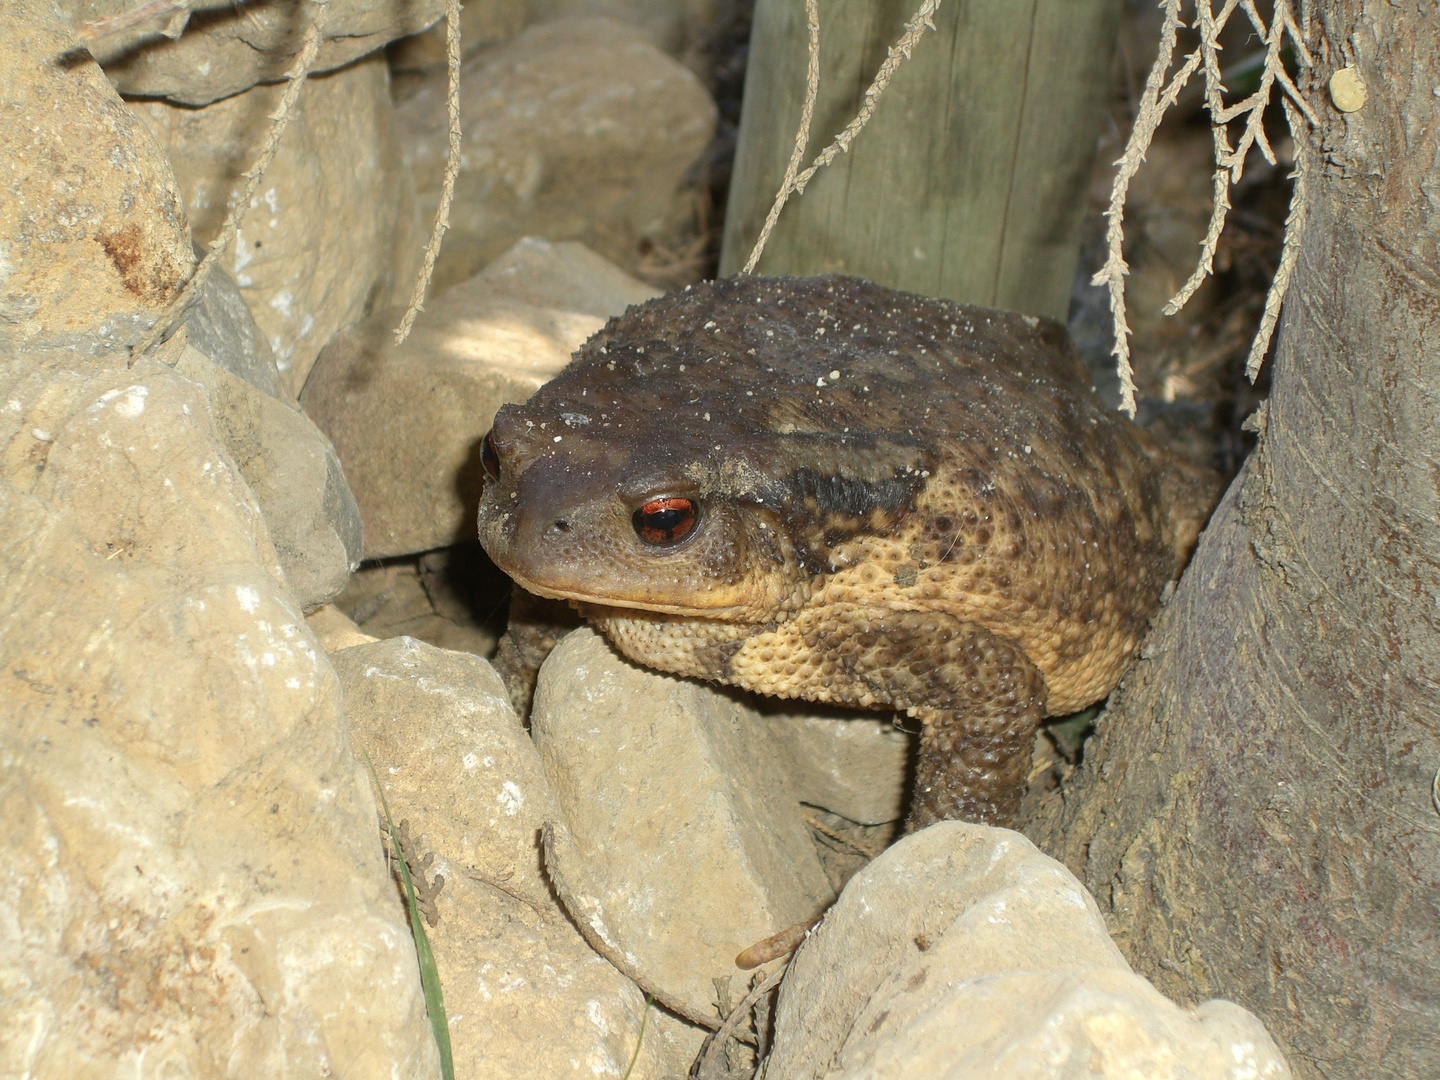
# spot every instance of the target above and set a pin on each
(795, 184)
(280, 120)
(178, 11)
(452, 169)
(1157, 98)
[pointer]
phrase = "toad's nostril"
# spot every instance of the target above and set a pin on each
(561, 526)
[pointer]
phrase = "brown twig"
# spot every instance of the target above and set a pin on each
(452, 170)
(716, 1042)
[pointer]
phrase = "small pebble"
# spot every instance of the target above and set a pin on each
(1346, 90)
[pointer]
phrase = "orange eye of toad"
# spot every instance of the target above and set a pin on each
(666, 520)
(489, 459)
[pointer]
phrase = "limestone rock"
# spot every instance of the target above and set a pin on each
(227, 48)
(855, 766)
(407, 421)
(964, 952)
(295, 476)
(674, 27)
(332, 233)
(335, 630)
(482, 24)
(576, 130)
(93, 240)
(192, 884)
(525, 995)
(690, 847)
(222, 327)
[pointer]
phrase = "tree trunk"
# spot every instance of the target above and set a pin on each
(971, 177)
(1256, 809)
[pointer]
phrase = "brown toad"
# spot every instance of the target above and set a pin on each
(821, 488)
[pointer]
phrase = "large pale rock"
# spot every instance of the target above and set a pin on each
(525, 995)
(192, 885)
(332, 232)
(963, 952)
(295, 476)
(673, 25)
(482, 23)
(576, 130)
(93, 239)
(407, 421)
(688, 847)
(227, 47)
(855, 766)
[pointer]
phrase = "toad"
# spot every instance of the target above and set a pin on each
(820, 488)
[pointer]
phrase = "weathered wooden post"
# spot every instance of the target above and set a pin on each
(969, 180)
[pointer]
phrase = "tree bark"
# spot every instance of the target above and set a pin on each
(1255, 812)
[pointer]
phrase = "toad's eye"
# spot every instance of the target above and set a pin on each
(489, 459)
(666, 520)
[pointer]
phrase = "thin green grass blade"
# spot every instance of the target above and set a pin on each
(429, 973)
(639, 1039)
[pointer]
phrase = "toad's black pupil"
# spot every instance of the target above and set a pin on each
(665, 521)
(489, 458)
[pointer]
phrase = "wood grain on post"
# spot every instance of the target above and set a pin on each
(969, 180)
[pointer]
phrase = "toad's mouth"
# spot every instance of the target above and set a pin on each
(577, 596)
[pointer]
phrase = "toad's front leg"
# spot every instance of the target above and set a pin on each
(979, 698)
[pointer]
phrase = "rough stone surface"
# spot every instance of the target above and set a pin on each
(576, 130)
(525, 995)
(93, 239)
(192, 884)
(962, 951)
(674, 27)
(692, 849)
(222, 327)
(857, 767)
(295, 476)
(407, 421)
(332, 234)
(227, 48)
(335, 630)
(482, 24)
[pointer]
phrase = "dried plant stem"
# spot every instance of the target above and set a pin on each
(716, 1042)
(1294, 230)
(1153, 104)
(802, 134)
(1229, 161)
(452, 170)
(922, 20)
(280, 120)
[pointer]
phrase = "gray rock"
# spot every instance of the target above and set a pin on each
(222, 327)
(685, 846)
(407, 420)
(574, 130)
(525, 995)
(963, 952)
(295, 476)
(192, 882)
(228, 48)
